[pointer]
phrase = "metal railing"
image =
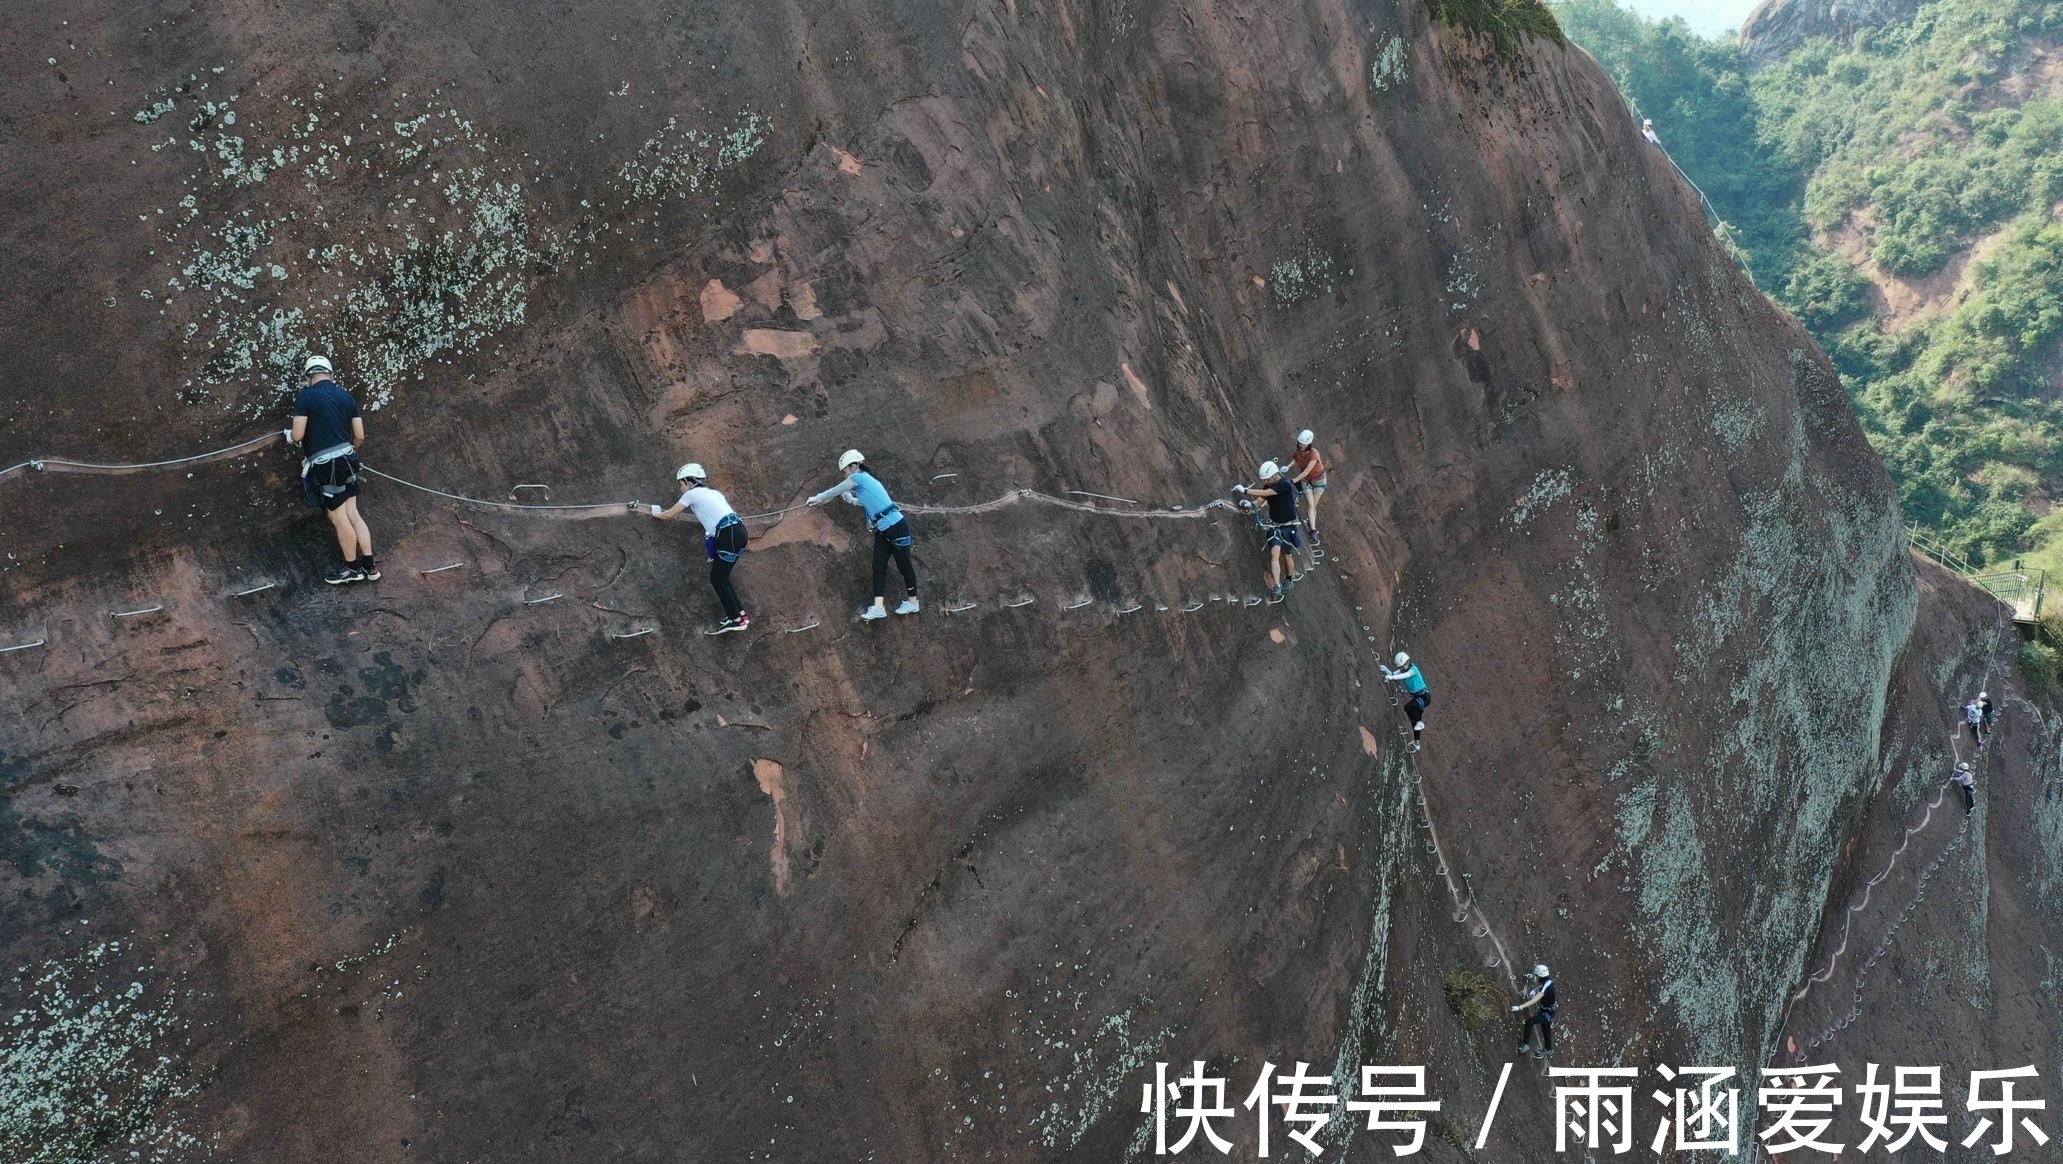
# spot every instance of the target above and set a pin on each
(2020, 588)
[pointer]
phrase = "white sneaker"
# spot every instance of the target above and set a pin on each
(873, 612)
(909, 606)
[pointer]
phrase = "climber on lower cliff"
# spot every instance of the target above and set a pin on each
(1307, 471)
(329, 428)
(1416, 696)
(1281, 525)
(1543, 997)
(892, 537)
(1967, 781)
(723, 540)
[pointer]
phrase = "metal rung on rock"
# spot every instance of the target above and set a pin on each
(23, 646)
(253, 590)
(636, 634)
(811, 625)
(441, 569)
(961, 609)
(135, 613)
(542, 601)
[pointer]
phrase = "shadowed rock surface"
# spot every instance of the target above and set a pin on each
(422, 869)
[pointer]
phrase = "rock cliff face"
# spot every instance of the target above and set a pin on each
(1778, 26)
(441, 868)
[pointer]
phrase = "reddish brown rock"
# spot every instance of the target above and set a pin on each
(446, 867)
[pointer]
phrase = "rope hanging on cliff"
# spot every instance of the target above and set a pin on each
(1011, 498)
(604, 508)
(1927, 874)
(58, 465)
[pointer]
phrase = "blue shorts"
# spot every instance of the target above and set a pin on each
(1285, 536)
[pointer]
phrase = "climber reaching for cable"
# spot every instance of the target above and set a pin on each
(892, 537)
(1543, 997)
(1281, 525)
(329, 428)
(1416, 696)
(1967, 781)
(723, 540)
(1308, 473)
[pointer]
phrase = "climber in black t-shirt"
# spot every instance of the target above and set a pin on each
(329, 428)
(1543, 997)
(1283, 541)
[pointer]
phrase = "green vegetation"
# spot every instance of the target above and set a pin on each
(1505, 22)
(1899, 194)
(1473, 998)
(2038, 664)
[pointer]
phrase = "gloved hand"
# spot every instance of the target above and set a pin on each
(656, 511)
(287, 435)
(1239, 489)
(814, 502)
(1517, 1009)
(850, 499)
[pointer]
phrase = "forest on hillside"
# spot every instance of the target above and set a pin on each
(1899, 193)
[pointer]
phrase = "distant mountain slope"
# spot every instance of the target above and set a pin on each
(1895, 185)
(1778, 26)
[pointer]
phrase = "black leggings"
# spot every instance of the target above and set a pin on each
(1414, 710)
(894, 540)
(1546, 1026)
(730, 540)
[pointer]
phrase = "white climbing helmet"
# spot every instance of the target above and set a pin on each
(1963, 767)
(1269, 469)
(1984, 695)
(316, 364)
(691, 469)
(1540, 971)
(1403, 660)
(849, 458)
(1305, 438)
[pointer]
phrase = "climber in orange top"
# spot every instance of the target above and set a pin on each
(1307, 473)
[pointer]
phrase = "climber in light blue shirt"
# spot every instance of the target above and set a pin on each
(892, 537)
(1416, 697)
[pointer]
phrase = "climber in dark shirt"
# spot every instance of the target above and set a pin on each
(1543, 997)
(329, 428)
(1283, 541)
